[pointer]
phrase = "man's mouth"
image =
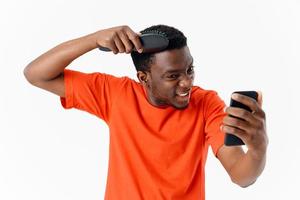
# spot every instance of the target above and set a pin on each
(183, 94)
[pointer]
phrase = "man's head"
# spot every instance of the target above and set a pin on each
(167, 75)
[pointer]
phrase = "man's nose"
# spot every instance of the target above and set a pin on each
(186, 81)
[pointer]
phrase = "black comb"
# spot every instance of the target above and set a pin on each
(153, 41)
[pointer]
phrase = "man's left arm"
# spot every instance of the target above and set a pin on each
(244, 168)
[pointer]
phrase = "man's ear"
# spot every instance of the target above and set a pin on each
(143, 77)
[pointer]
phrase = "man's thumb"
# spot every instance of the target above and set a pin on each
(259, 98)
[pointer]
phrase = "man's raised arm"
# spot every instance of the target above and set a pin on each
(46, 71)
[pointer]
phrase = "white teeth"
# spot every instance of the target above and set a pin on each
(184, 94)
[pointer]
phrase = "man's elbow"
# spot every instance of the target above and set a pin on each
(28, 75)
(243, 183)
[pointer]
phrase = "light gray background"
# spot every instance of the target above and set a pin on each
(49, 153)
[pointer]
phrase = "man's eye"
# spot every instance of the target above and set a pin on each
(173, 76)
(191, 70)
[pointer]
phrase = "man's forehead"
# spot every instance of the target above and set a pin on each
(172, 60)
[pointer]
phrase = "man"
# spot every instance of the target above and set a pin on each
(161, 127)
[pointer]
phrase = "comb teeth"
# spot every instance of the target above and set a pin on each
(155, 32)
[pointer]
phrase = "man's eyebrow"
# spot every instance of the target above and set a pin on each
(172, 71)
(178, 70)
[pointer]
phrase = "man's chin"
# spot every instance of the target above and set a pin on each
(181, 102)
(180, 106)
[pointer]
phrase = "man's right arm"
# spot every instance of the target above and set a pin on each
(46, 71)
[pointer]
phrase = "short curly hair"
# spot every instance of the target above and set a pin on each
(176, 39)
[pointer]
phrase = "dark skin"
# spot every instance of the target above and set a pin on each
(167, 83)
(170, 76)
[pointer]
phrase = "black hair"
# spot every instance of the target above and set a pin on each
(176, 39)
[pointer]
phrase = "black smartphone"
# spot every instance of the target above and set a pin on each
(230, 139)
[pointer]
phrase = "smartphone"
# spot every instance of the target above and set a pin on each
(230, 139)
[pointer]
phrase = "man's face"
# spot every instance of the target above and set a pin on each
(170, 79)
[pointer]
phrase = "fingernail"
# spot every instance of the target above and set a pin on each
(235, 96)
(140, 50)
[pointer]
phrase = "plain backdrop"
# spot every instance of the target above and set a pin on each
(49, 153)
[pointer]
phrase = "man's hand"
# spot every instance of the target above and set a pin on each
(244, 168)
(249, 126)
(119, 39)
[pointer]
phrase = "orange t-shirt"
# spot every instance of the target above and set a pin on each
(154, 153)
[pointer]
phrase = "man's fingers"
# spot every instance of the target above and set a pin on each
(241, 113)
(135, 39)
(119, 39)
(234, 131)
(112, 46)
(250, 102)
(119, 44)
(236, 122)
(126, 42)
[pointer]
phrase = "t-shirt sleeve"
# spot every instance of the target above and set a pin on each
(90, 92)
(214, 114)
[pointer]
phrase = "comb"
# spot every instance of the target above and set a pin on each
(152, 41)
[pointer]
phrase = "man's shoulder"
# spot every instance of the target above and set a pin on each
(199, 92)
(106, 76)
(201, 96)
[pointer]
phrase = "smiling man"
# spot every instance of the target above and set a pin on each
(160, 127)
